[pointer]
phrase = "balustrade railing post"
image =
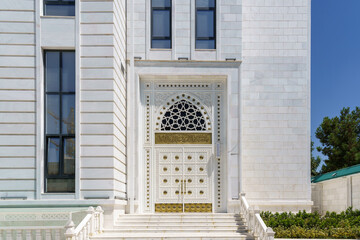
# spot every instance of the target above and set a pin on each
(47, 234)
(38, 234)
(57, 234)
(97, 219)
(85, 232)
(242, 205)
(91, 211)
(70, 230)
(80, 236)
(101, 218)
(28, 235)
(270, 234)
(8, 234)
(251, 220)
(256, 210)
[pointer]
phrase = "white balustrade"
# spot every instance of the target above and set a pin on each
(32, 232)
(254, 221)
(92, 224)
(89, 225)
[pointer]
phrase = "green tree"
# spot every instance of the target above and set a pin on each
(340, 139)
(315, 162)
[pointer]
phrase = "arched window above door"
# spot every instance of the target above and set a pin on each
(183, 116)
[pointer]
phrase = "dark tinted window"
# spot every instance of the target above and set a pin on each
(161, 24)
(205, 3)
(161, 3)
(53, 156)
(68, 72)
(68, 114)
(60, 121)
(59, 7)
(205, 24)
(52, 72)
(52, 114)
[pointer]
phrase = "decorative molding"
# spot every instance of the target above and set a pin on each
(175, 172)
(161, 98)
(204, 97)
(198, 207)
(188, 63)
(183, 116)
(34, 217)
(172, 99)
(168, 207)
(218, 171)
(183, 86)
(147, 117)
(178, 207)
(183, 138)
(148, 182)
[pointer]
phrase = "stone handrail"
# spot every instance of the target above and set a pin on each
(38, 224)
(254, 221)
(91, 224)
(32, 232)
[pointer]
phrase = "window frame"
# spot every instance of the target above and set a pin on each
(152, 26)
(214, 26)
(57, 2)
(61, 136)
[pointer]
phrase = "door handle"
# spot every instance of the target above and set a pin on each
(185, 186)
(182, 187)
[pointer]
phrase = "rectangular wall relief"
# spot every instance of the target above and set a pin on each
(183, 138)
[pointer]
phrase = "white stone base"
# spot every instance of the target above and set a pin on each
(282, 205)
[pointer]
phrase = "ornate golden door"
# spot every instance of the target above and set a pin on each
(184, 179)
(183, 172)
(182, 130)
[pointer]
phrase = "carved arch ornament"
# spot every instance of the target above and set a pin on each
(183, 113)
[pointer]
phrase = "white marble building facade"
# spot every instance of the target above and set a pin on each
(252, 89)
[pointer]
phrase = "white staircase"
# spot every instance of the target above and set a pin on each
(204, 226)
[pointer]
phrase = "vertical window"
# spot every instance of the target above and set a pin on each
(160, 23)
(59, 7)
(60, 121)
(205, 24)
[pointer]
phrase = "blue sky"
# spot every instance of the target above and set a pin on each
(335, 60)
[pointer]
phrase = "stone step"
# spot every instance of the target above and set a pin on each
(192, 226)
(174, 227)
(195, 220)
(170, 230)
(173, 236)
(180, 214)
(177, 218)
(179, 223)
(130, 216)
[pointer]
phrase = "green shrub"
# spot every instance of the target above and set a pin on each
(313, 225)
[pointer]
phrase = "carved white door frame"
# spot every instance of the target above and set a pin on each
(209, 98)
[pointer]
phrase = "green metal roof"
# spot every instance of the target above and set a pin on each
(335, 174)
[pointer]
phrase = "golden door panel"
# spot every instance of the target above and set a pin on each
(188, 207)
(183, 176)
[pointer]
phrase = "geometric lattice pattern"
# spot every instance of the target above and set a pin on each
(183, 116)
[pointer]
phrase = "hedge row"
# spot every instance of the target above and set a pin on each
(313, 225)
